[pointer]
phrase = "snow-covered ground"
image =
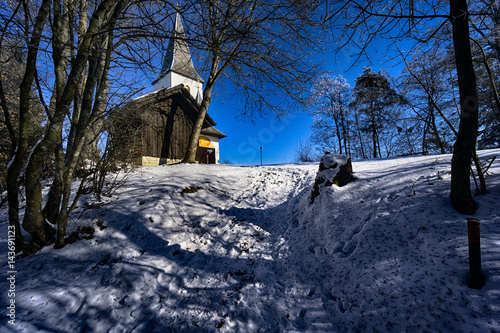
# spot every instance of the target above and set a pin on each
(195, 248)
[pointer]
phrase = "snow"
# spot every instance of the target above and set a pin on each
(329, 160)
(245, 251)
(330, 165)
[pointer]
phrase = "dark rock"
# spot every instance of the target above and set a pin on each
(334, 169)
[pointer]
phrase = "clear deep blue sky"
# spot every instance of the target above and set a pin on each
(279, 138)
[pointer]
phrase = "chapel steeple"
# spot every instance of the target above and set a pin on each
(178, 65)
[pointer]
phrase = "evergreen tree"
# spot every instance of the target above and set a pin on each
(374, 97)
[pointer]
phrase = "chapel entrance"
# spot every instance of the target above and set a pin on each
(206, 151)
(206, 155)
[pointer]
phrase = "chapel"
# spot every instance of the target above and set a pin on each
(155, 128)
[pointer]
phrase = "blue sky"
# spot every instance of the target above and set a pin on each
(279, 138)
(244, 139)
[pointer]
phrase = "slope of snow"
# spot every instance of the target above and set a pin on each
(194, 248)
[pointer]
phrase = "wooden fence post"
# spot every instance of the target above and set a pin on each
(476, 277)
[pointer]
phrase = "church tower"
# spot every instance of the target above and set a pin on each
(178, 65)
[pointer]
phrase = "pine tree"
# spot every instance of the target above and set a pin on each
(374, 97)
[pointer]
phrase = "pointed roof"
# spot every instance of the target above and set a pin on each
(178, 58)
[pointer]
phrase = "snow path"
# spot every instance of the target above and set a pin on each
(192, 248)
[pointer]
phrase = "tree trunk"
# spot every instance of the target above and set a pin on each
(379, 149)
(98, 70)
(51, 210)
(493, 43)
(52, 207)
(215, 73)
(347, 146)
(92, 109)
(436, 132)
(464, 148)
(374, 136)
(195, 133)
(61, 27)
(492, 80)
(17, 163)
(360, 138)
(424, 136)
(339, 136)
(193, 143)
(480, 174)
(33, 220)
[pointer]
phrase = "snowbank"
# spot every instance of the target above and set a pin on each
(247, 252)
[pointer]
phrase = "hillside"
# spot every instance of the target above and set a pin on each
(195, 248)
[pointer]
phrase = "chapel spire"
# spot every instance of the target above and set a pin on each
(178, 62)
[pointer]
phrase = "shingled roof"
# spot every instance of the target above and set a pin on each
(178, 58)
(140, 103)
(213, 132)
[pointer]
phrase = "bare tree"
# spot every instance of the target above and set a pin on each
(304, 151)
(331, 98)
(255, 48)
(79, 42)
(33, 40)
(361, 22)
(486, 49)
(427, 85)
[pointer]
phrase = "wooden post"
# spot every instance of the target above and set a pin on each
(476, 277)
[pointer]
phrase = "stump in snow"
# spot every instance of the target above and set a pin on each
(333, 169)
